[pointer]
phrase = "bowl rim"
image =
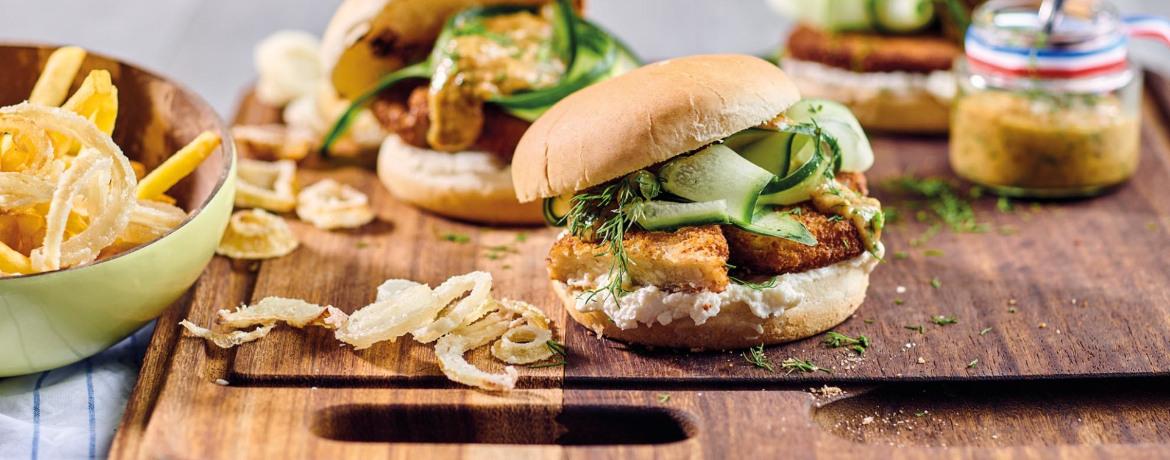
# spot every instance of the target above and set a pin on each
(226, 143)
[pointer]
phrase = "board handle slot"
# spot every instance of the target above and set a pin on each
(573, 425)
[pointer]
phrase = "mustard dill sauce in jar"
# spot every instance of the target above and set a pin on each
(1046, 116)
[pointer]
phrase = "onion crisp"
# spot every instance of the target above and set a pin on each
(459, 316)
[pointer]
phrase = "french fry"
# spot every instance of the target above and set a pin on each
(13, 262)
(55, 80)
(97, 100)
(177, 166)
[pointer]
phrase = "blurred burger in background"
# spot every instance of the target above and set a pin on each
(889, 61)
(442, 91)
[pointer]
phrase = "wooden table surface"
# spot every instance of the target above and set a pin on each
(1089, 384)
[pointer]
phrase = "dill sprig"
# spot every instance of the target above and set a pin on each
(942, 199)
(793, 365)
(559, 350)
(835, 340)
(944, 320)
(771, 283)
(756, 357)
(605, 214)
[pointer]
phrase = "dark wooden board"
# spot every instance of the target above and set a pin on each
(297, 394)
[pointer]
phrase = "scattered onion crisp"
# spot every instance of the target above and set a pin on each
(257, 234)
(274, 141)
(266, 185)
(296, 313)
(451, 347)
(521, 331)
(229, 339)
(329, 204)
(476, 285)
(522, 345)
(390, 319)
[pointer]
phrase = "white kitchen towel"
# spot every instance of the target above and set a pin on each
(70, 412)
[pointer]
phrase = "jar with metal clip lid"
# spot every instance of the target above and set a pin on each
(1049, 114)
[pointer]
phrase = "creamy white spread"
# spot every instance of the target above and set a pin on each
(940, 83)
(650, 305)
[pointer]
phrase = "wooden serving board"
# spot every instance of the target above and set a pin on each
(1077, 296)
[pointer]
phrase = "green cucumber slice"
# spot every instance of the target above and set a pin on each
(772, 152)
(902, 16)
(839, 122)
(779, 225)
(739, 141)
(799, 185)
(666, 215)
(717, 173)
(556, 209)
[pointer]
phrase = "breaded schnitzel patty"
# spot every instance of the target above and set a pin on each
(872, 53)
(693, 259)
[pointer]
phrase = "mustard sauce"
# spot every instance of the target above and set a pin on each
(1043, 145)
(496, 56)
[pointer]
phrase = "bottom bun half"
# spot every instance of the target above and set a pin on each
(826, 302)
(470, 186)
(909, 109)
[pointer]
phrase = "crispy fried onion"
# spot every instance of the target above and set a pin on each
(150, 220)
(31, 142)
(19, 191)
(274, 141)
(266, 185)
(257, 234)
(407, 309)
(476, 285)
(101, 174)
(296, 313)
(329, 204)
(451, 347)
(522, 345)
(228, 339)
(520, 331)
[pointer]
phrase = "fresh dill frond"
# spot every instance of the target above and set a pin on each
(916, 328)
(756, 357)
(663, 398)
(943, 200)
(944, 320)
(793, 365)
(560, 352)
(985, 331)
(605, 214)
(771, 283)
(834, 340)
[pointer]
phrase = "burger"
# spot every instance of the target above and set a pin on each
(454, 84)
(705, 205)
(887, 60)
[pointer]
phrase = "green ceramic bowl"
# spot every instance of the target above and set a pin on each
(57, 318)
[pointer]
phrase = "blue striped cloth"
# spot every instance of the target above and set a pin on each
(70, 412)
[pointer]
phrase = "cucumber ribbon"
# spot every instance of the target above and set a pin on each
(590, 54)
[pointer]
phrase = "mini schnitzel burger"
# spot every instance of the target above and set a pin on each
(455, 83)
(705, 204)
(889, 61)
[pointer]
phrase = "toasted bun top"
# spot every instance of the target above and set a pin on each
(645, 117)
(367, 39)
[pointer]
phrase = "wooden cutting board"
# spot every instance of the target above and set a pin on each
(1076, 295)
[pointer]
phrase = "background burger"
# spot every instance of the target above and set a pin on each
(887, 60)
(454, 84)
(705, 204)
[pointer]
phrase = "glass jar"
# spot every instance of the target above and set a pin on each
(1053, 116)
